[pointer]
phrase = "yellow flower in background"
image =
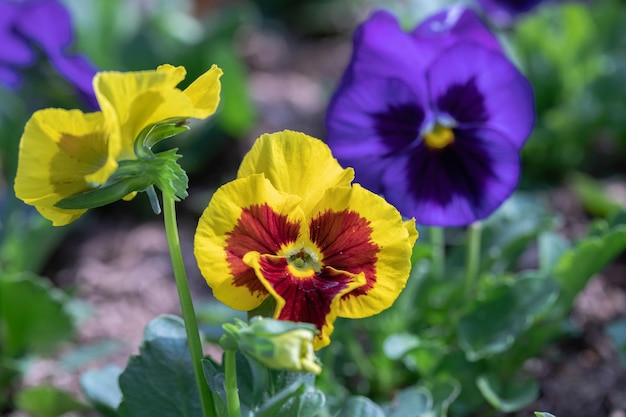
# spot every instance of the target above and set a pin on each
(293, 227)
(64, 153)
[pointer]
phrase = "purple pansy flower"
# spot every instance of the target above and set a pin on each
(433, 119)
(505, 11)
(26, 25)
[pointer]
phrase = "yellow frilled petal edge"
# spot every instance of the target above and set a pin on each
(297, 164)
(393, 236)
(131, 101)
(61, 153)
(217, 222)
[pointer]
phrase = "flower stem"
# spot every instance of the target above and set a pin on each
(472, 257)
(438, 245)
(232, 392)
(186, 304)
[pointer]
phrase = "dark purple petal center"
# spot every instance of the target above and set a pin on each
(464, 103)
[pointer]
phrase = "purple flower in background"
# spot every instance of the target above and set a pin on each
(433, 119)
(505, 11)
(28, 25)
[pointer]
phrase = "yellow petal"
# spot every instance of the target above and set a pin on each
(296, 164)
(220, 259)
(204, 93)
(134, 100)
(61, 153)
(393, 239)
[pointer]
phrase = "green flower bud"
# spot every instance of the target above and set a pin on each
(277, 344)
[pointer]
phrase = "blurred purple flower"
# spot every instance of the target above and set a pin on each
(28, 25)
(504, 11)
(433, 119)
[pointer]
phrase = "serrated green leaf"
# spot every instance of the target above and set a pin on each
(412, 401)
(47, 401)
(102, 389)
(358, 406)
(514, 396)
(492, 323)
(587, 258)
(34, 314)
(160, 380)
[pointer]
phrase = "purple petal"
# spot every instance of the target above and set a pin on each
(480, 88)
(14, 50)
(382, 48)
(47, 23)
(505, 11)
(9, 77)
(457, 185)
(453, 25)
(371, 116)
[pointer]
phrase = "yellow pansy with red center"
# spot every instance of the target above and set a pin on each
(293, 227)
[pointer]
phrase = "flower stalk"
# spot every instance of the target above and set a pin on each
(186, 304)
(232, 391)
(473, 257)
(437, 241)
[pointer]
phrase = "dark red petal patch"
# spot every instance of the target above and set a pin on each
(260, 229)
(345, 241)
(307, 299)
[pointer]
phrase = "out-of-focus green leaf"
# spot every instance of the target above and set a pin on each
(592, 195)
(34, 314)
(580, 263)
(551, 247)
(358, 406)
(444, 391)
(47, 401)
(494, 321)
(543, 414)
(164, 361)
(412, 401)
(102, 389)
(509, 397)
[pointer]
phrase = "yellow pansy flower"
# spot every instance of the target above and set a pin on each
(64, 153)
(293, 227)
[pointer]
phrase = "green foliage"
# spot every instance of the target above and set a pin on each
(101, 387)
(164, 361)
(466, 344)
(48, 401)
(33, 313)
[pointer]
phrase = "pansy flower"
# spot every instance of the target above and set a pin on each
(433, 119)
(65, 153)
(505, 11)
(45, 24)
(293, 227)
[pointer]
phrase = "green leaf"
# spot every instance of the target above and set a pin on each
(296, 394)
(102, 389)
(543, 414)
(443, 391)
(160, 380)
(34, 314)
(594, 199)
(358, 406)
(47, 401)
(412, 401)
(507, 310)
(512, 397)
(580, 263)
(551, 247)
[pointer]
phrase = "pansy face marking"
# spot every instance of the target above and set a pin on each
(340, 251)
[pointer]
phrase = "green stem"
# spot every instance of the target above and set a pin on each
(186, 304)
(438, 245)
(472, 258)
(232, 392)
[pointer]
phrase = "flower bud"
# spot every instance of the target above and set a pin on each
(277, 344)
